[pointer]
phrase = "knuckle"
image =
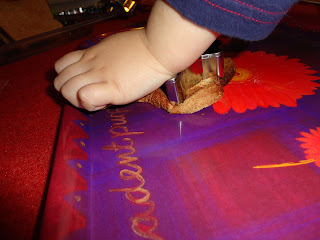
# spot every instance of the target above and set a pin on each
(57, 66)
(88, 56)
(83, 96)
(64, 91)
(86, 100)
(56, 84)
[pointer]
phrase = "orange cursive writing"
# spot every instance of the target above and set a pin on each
(143, 224)
(288, 164)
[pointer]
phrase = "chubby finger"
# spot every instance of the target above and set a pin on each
(96, 96)
(70, 88)
(70, 72)
(67, 60)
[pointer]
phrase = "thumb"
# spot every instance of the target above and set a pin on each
(96, 96)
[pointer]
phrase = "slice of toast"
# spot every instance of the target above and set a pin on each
(198, 93)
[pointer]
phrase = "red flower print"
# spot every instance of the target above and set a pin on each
(265, 80)
(311, 142)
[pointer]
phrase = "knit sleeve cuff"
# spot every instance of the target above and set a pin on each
(248, 19)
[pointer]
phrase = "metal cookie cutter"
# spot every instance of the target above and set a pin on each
(173, 89)
(212, 65)
(212, 62)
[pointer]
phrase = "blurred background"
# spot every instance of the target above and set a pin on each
(20, 19)
(25, 18)
(28, 27)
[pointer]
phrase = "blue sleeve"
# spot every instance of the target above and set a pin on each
(245, 19)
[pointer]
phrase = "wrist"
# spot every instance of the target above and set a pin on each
(173, 40)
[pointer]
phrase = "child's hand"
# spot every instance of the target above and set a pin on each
(129, 65)
(118, 70)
